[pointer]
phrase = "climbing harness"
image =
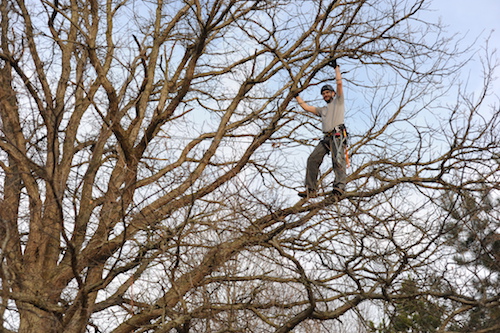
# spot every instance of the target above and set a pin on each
(337, 138)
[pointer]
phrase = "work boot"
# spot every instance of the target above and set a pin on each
(338, 189)
(308, 194)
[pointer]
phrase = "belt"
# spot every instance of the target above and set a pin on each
(336, 131)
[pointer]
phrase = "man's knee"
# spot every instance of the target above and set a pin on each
(314, 159)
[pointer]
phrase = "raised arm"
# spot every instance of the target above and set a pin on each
(338, 79)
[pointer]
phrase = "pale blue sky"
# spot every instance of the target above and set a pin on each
(474, 16)
(475, 20)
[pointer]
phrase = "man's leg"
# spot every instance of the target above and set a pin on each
(313, 163)
(339, 163)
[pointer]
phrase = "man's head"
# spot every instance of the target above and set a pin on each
(327, 92)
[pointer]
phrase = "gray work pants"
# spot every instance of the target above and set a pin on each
(336, 145)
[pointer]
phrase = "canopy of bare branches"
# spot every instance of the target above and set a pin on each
(150, 154)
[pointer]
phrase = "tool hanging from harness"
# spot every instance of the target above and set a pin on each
(337, 138)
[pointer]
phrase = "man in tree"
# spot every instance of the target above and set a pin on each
(334, 141)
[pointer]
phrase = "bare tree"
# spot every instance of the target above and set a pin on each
(149, 163)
